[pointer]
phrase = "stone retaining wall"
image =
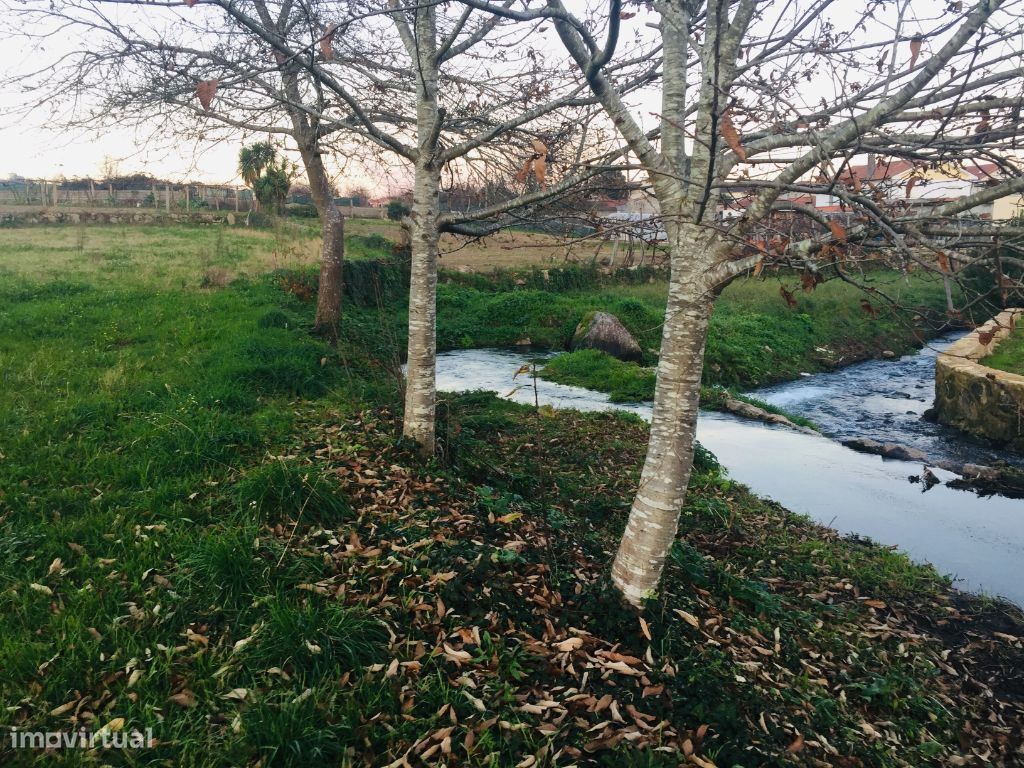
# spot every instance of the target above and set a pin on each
(977, 399)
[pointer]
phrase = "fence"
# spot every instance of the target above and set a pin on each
(157, 196)
(91, 194)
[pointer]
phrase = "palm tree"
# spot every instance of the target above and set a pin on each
(253, 161)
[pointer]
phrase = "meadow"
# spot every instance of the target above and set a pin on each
(209, 526)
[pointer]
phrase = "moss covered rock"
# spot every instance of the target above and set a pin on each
(603, 331)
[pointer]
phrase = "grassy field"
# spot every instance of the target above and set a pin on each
(186, 256)
(1009, 355)
(210, 527)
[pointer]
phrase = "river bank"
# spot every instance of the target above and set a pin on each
(756, 337)
(212, 527)
(978, 540)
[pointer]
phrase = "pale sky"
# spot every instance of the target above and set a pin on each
(32, 148)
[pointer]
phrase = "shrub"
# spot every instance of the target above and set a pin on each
(397, 210)
(301, 211)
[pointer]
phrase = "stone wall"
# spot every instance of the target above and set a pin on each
(978, 399)
(29, 216)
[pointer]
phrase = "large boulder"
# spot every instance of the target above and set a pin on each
(603, 331)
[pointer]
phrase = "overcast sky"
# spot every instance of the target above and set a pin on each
(31, 147)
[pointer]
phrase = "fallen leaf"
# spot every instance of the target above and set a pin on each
(645, 629)
(689, 618)
(184, 698)
(570, 644)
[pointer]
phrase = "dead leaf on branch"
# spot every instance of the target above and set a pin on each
(206, 89)
(732, 136)
(524, 172)
(915, 50)
(327, 41)
(838, 230)
(536, 164)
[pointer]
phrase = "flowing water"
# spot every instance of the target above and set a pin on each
(979, 541)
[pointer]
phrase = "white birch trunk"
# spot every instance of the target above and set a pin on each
(420, 388)
(654, 516)
(421, 378)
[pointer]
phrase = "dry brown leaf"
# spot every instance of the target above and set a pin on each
(195, 637)
(915, 50)
(457, 656)
(571, 644)
(183, 698)
(58, 711)
(539, 166)
(838, 230)
(206, 89)
(524, 172)
(732, 136)
(797, 745)
(327, 41)
(689, 618)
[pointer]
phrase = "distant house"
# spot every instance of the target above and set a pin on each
(915, 186)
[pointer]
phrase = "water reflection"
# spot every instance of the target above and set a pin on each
(978, 540)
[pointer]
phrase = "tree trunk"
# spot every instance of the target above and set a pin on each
(421, 377)
(654, 517)
(420, 388)
(332, 253)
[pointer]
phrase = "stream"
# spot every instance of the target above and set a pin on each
(977, 540)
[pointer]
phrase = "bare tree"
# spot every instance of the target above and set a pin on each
(765, 103)
(205, 72)
(451, 91)
(441, 87)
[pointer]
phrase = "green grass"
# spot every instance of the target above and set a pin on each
(1009, 354)
(210, 526)
(755, 338)
(624, 382)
